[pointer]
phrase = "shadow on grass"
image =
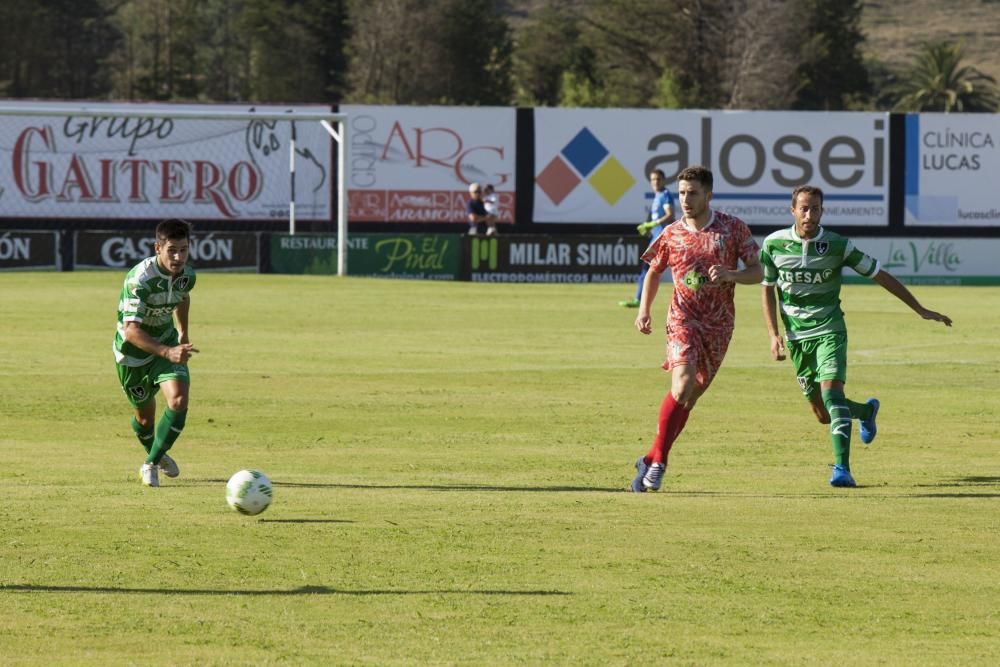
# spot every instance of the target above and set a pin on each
(954, 495)
(306, 521)
(303, 590)
(966, 481)
(971, 482)
(439, 487)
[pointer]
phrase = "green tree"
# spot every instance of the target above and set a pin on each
(295, 49)
(630, 41)
(547, 51)
(476, 46)
(831, 73)
(412, 52)
(669, 54)
(231, 50)
(608, 53)
(56, 48)
(224, 53)
(158, 56)
(938, 81)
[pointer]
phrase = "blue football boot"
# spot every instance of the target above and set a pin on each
(868, 428)
(641, 468)
(842, 477)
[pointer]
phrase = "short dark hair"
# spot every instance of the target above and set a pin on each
(809, 190)
(698, 174)
(658, 172)
(173, 229)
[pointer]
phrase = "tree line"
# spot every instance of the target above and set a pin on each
(728, 54)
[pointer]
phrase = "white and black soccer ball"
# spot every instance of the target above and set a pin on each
(249, 492)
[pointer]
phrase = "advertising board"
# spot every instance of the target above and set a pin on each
(415, 164)
(29, 251)
(215, 251)
(411, 256)
(554, 259)
(122, 167)
(952, 162)
(593, 165)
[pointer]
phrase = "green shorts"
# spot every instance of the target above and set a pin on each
(140, 383)
(818, 359)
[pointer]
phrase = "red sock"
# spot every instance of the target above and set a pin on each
(676, 425)
(673, 416)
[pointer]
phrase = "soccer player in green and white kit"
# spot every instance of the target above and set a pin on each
(804, 264)
(152, 345)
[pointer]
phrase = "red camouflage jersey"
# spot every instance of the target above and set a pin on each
(697, 303)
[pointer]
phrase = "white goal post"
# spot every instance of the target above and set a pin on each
(160, 160)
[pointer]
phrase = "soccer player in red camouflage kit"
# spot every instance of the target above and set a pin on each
(702, 250)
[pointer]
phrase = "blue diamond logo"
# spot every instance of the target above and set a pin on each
(584, 152)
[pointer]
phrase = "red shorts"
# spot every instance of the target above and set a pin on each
(700, 347)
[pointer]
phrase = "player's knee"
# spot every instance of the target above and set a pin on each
(178, 403)
(823, 418)
(683, 395)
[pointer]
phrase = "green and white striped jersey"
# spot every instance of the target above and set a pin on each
(149, 297)
(807, 273)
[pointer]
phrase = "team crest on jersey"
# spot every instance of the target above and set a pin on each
(182, 283)
(138, 392)
(822, 247)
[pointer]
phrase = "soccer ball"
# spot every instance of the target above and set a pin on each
(248, 492)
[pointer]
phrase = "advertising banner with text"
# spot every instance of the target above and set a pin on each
(934, 261)
(415, 164)
(216, 251)
(554, 259)
(593, 165)
(29, 251)
(411, 256)
(151, 168)
(952, 163)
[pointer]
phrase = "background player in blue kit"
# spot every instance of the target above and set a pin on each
(661, 213)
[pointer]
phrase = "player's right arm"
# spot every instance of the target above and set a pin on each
(650, 286)
(769, 302)
(770, 306)
(177, 354)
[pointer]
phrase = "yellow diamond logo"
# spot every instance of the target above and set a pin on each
(611, 180)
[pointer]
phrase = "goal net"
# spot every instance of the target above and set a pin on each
(113, 162)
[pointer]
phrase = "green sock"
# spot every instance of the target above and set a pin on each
(169, 427)
(859, 410)
(840, 426)
(145, 435)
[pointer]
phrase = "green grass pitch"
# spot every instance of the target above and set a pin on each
(450, 464)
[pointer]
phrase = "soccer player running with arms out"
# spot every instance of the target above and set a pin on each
(803, 265)
(152, 345)
(703, 250)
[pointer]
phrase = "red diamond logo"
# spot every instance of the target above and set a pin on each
(557, 180)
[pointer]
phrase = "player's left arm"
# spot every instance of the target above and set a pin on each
(181, 313)
(751, 273)
(898, 290)
(650, 286)
(747, 251)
